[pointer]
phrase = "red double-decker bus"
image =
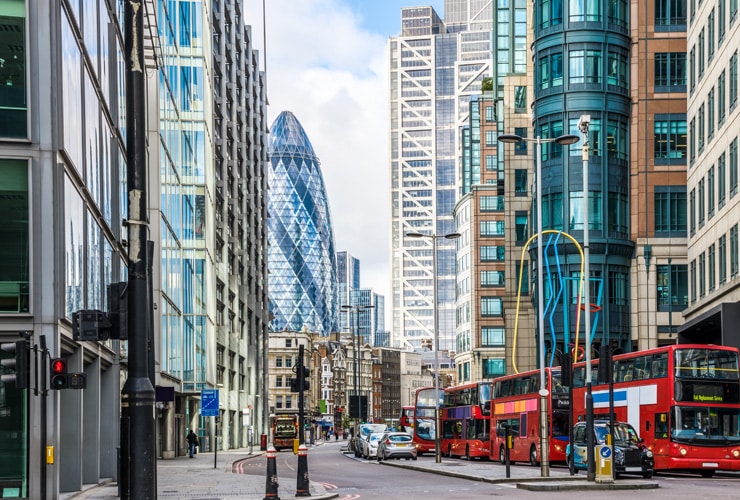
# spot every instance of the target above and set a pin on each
(466, 420)
(406, 420)
(516, 406)
(425, 433)
(683, 399)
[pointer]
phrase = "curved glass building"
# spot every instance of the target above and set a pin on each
(301, 256)
(582, 60)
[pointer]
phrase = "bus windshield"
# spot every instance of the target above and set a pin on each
(707, 425)
(706, 363)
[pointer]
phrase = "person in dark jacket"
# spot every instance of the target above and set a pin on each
(192, 443)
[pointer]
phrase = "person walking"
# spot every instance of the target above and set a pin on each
(192, 443)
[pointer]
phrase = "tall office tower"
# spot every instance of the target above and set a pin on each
(714, 205)
(302, 280)
(495, 318)
(658, 167)
(576, 76)
(348, 279)
(434, 69)
(240, 172)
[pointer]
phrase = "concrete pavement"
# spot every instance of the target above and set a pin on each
(197, 478)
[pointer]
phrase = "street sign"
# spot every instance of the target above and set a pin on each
(209, 403)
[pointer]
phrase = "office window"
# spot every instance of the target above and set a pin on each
(618, 288)
(669, 13)
(692, 144)
(14, 233)
(490, 138)
(490, 115)
(733, 251)
(618, 13)
(618, 216)
(733, 167)
(711, 267)
(491, 203)
(492, 278)
(721, 20)
(279, 381)
(710, 114)
(672, 287)
(522, 282)
(491, 306)
(693, 280)
(552, 211)
(551, 70)
(520, 100)
(278, 362)
(692, 212)
(702, 275)
(617, 69)
(721, 103)
(692, 69)
(710, 35)
(13, 95)
(522, 228)
(617, 139)
(494, 367)
(595, 218)
(521, 187)
(721, 181)
(722, 259)
(700, 55)
(701, 128)
(493, 336)
(733, 10)
(585, 11)
(584, 66)
(670, 72)
(490, 163)
(492, 228)
(550, 13)
(710, 192)
(520, 148)
(701, 203)
(733, 80)
(670, 211)
(491, 253)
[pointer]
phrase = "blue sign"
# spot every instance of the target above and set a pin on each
(209, 403)
(606, 452)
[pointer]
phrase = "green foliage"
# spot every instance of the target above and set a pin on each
(487, 84)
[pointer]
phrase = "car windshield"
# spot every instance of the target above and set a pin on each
(366, 429)
(375, 437)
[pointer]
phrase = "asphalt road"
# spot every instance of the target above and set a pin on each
(352, 478)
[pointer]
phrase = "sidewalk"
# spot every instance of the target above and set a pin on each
(183, 477)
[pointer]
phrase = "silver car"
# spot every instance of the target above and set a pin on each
(396, 445)
(370, 445)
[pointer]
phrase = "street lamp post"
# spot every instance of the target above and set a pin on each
(434, 238)
(356, 345)
(583, 123)
(544, 434)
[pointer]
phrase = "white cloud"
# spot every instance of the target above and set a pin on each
(332, 75)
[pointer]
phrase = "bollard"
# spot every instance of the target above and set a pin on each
(271, 481)
(302, 486)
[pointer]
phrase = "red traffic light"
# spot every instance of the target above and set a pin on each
(58, 365)
(58, 368)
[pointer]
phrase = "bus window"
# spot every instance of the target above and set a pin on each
(661, 426)
(660, 365)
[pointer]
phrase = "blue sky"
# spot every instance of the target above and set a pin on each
(326, 62)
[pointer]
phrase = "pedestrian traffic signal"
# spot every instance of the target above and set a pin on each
(18, 365)
(294, 385)
(306, 379)
(58, 369)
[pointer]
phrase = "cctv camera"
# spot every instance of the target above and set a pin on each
(583, 122)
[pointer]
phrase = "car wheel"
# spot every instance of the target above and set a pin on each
(533, 456)
(707, 473)
(413, 458)
(648, 474)
(502, 456)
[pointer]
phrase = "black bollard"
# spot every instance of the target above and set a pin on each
(302, 486)
(271, 481)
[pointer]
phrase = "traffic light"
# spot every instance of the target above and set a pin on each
(605, 364)
(18, 365)
(306, 379)
(294, 385)
(60, 379)
(58, 369)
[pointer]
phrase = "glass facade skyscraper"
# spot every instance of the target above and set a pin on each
(301, 255)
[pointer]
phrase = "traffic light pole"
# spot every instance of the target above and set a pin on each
(137, 395)
(301, 388)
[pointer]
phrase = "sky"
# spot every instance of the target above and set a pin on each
(326, 62)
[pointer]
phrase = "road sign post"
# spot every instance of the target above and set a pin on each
(209, 408)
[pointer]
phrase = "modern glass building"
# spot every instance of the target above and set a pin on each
(435, 67)
(302, 259)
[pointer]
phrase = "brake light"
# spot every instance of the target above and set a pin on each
(388, 441)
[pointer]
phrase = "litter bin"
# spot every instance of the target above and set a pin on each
(263, 442)
(604, 464)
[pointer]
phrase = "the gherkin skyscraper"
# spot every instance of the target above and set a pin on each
(301, 256)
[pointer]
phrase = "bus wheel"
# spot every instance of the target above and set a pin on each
(502, 456)
(533, 456)
(707, 473)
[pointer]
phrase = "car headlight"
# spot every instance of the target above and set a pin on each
(648, 453)
(736, 453)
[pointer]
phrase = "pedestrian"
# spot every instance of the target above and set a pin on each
(192, 443)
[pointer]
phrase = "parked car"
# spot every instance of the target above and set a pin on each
(396, 445)
(370, 445)
(630, 455)
(363, 431)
